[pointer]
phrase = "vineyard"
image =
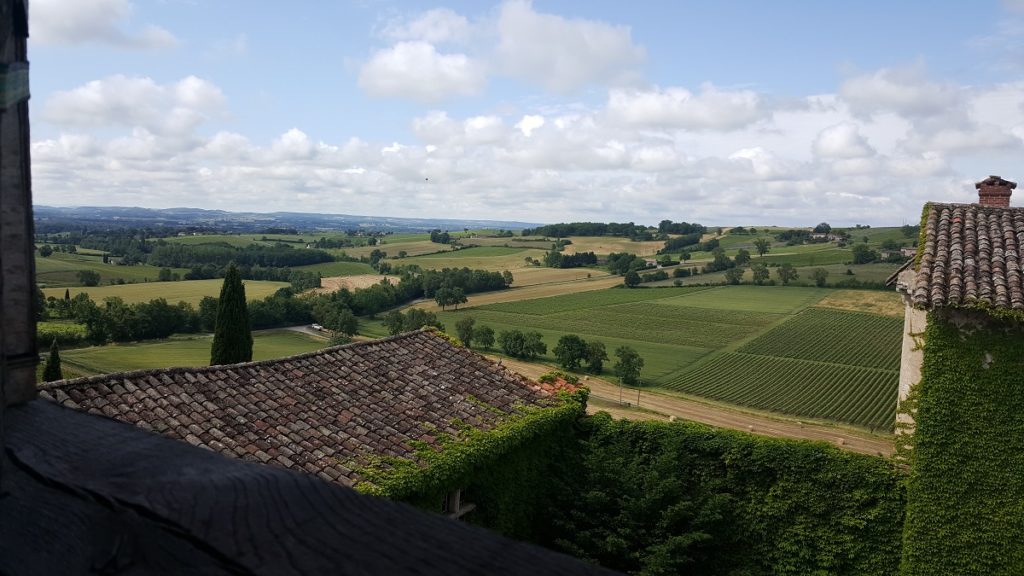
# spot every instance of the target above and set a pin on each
(860, 396)
(822, 335)
(588, 300)
(763, 347)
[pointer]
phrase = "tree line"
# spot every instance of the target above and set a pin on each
(627, 230)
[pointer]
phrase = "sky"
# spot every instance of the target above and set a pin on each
(725, 113)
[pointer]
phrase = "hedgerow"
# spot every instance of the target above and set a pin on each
(683, 498)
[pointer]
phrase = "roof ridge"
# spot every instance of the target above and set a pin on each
(86, 380)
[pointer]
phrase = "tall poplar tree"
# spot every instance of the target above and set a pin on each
(52, 371)
(232, 335)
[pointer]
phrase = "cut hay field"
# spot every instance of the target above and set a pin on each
(338, 268)
(817, 362)
(191, 291)
(181, 351)
(61, 269)
(539, 275)
(609, 244)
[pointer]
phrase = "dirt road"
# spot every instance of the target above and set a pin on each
(663, 406)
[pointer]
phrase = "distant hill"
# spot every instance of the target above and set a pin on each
(128, 217)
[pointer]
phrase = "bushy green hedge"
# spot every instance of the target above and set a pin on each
(965, 510)
(664, 498)
(508, 472)
(683, 498)
(65, 333)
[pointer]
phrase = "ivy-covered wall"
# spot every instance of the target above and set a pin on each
(965, 493)
(665, 498)
(506, 472)
(683, 498)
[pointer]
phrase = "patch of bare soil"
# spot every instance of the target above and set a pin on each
(876, 302)
(335, 283)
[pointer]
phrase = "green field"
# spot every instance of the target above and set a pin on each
(833, 336)
(850, 394)
(493, 258)
(191, 291)
(181, 351)
(61, 269)
(786, 352)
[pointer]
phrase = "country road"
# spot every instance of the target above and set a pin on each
(662, 406)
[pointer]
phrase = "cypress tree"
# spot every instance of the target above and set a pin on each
(232, 336)
(52, 371)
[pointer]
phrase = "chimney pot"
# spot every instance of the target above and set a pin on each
(994, 191)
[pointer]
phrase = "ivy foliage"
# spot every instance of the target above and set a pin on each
(965, 492)
(683, 498)
(506, 471)
(662, 498)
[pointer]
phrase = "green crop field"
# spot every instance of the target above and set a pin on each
(191, 291)
(236, 240)
(494, 258)
(61, 269)
(181, 351)
(595, 299)
(854, 395)
(823, 335)
(689, 336)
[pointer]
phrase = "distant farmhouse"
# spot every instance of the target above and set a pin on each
(962, 387)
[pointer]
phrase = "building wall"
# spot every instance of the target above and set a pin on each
(965, 491)
(914, 323)
(17, 262)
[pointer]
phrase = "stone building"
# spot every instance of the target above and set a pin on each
(961, 393)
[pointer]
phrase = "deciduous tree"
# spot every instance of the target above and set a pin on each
(763, 246)
(570, 351)
(596, 356)
(629, 365)
(632, 279)
(464, 330)
(787, 273)
(484, 336)
(820, 276)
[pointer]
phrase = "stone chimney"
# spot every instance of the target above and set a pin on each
(994, 191)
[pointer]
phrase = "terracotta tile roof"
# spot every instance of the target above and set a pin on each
(321, 412)
(971, 256)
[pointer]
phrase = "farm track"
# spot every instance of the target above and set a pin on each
(722, 417)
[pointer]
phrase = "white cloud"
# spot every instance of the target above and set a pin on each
(416, 70)
(176, 108)
(529, 123)
(433, 26)
(87, 21)
(842, 141)
(563, 54)
(712, 155)
(293, 145)
(905, 91)
(712, 109)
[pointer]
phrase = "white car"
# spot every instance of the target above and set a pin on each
(317, 327)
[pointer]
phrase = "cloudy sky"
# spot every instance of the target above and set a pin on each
(783, 112)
